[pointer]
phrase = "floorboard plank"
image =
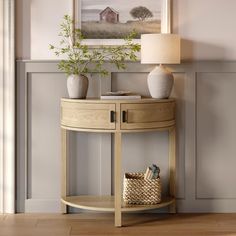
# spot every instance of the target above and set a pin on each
(140, 224)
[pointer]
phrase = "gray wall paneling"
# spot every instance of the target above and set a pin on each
(91, 155)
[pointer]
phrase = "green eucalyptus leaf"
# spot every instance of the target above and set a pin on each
(81, 59)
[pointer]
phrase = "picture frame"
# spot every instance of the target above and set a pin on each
(165, 22)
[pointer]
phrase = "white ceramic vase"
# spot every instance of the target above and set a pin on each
(77, 86)
(160, 82)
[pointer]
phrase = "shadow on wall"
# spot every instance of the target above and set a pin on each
(195, 50)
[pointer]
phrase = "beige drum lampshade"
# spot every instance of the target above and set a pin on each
(160, 49)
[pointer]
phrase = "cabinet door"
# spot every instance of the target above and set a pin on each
(148, 115)
(88, 115)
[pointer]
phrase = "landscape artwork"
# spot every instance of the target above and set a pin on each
(115, 19)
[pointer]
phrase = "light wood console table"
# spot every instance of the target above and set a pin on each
(116, 116)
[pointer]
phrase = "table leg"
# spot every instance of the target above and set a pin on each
(172, 166)
(64, 163)
(118, 179)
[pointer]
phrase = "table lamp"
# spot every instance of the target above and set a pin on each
(160, 49)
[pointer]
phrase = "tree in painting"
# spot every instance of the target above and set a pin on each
(141, 13)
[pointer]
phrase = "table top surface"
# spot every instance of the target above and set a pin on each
(98, 100)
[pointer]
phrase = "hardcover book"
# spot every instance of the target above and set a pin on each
(120, 95)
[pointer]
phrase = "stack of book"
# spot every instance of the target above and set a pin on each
(120, 95)
(152, 172)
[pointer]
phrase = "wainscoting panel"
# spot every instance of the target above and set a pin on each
(205, 131)
(140, 150)
(216, 135)
(39, 162)
(43, 123)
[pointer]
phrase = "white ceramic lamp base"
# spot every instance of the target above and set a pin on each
(160, 82)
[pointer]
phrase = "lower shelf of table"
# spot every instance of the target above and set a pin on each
(106, 203)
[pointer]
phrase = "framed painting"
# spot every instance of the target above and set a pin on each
(107, 22)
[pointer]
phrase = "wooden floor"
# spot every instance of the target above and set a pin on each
(103, 224)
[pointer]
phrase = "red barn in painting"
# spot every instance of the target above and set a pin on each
(109, 15)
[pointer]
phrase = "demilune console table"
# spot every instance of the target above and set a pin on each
(116, 116)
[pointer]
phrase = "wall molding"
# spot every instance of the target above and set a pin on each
(188, 71)
(7, 107)
(25, 202)
(25, 70)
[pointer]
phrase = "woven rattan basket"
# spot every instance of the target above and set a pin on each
(138, 190)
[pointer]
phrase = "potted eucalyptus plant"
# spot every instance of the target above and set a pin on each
(80, 60)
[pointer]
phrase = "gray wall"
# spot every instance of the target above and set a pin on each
(206, 134)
